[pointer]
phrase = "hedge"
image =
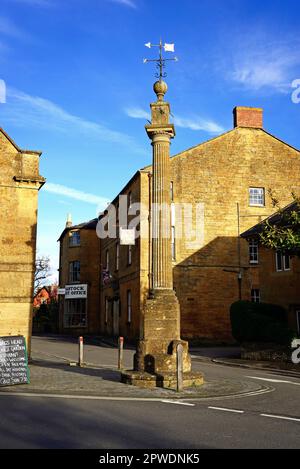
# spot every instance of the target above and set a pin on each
(260, 322)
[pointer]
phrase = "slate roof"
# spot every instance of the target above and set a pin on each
(274, 219)
(88, 225)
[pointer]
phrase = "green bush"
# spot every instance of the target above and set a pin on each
(275, 312)
(255, 322)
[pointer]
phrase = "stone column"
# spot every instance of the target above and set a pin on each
(161, 216)
(156, 357)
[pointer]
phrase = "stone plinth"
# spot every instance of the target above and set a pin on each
(167, 380)
(155, 358)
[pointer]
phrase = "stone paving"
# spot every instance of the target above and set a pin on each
(53, 375)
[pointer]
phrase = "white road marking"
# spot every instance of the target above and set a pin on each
(96, 398)
(280, 417)
(72, 396)
(165, 401)
(272, 380)
(142, 399)
(227, 410)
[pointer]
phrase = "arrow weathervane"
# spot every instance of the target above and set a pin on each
(160, 62)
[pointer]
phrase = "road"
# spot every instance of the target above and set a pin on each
(269, 420)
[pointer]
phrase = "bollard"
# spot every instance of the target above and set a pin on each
(80, 344)
(179, 367)
(120, 356)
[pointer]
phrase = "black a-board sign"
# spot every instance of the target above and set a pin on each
(13, 361)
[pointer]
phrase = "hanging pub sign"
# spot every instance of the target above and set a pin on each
(13, 361)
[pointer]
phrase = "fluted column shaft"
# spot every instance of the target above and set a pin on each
(161, 216)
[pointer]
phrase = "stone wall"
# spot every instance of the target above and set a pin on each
(88, 254)
(127, 277)
(216, 174)
(281, 288)
(19, 185)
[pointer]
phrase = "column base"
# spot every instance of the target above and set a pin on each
(155, 360)
(166, 380)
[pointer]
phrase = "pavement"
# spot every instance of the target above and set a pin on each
(230, 356)
(52, 373)
(71, 407)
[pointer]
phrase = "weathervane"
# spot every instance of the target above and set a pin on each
(160, 62)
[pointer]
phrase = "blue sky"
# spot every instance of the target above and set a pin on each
(77, 88)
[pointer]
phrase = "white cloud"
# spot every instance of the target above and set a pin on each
(127, 3)
(2, 92)
(192, 122)
(262, 65)
(49, 230)
(39, 3)
(25, 110)
(100, 202)
(8, 28)
(197, 123)
(137, 113)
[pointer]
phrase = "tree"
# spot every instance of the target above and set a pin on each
(42, 272)
(282, 230)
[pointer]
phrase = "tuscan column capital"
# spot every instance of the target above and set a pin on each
(160, 136)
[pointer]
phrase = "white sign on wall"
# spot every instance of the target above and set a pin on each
(75, 291)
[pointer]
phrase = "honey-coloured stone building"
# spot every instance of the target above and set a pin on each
(226, 180)
(20, 182)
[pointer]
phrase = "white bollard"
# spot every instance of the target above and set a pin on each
(80, 343)
(120, 355)
(179, 367)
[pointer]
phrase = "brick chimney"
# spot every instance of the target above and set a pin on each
(248, 117)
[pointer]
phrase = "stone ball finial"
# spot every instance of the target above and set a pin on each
(160, 88)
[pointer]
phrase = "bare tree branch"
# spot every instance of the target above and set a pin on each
(42, 272)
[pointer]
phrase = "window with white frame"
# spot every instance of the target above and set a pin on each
(74, 239)
(74, 271)
(117, 256)
(257, 196)
(283, 261)
(75, 314)
(129, 306)
(253, 251)
(255, 295)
